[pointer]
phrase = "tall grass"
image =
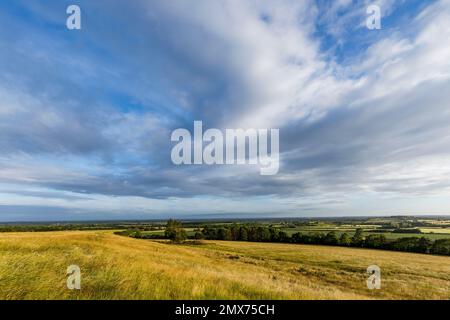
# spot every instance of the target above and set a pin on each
(33, 266)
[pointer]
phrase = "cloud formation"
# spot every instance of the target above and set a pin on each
(86, 116)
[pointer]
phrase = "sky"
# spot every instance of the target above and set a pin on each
(86, 115)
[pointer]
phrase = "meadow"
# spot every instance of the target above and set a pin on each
(33, 266)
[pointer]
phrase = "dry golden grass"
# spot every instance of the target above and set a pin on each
(33, 266)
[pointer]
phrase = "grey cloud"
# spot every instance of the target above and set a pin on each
(113, 101)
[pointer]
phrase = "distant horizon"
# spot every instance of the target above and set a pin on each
(228, 219)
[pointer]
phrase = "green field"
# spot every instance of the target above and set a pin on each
(33, 266)
(443, 231)
(431, 233)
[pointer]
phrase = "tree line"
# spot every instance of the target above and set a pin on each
(259, 233)
(372, 241)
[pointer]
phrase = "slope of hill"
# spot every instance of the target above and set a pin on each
(33, 266)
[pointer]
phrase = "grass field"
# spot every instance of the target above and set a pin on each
(33, 266)
(436, 230)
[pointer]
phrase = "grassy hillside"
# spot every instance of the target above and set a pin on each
(33, 266)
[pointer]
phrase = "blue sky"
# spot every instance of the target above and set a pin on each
(86, 115)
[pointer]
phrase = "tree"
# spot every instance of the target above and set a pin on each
(274, 235)
(283, 236)
(262, 234)
(234, 232)
(345, 240)
(375, 241)
(331, 239)
(441, 246)
(405, 244)
(224, 234)
(297, 238)
(424, 245)
(243, 233)
(199, 236)
(357, 239)
(210, 233)
(174, 231)
(315, 238)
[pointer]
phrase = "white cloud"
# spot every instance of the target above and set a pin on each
(376, 123)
